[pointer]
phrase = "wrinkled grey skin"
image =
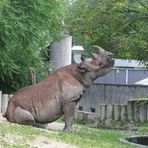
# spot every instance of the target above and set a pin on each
(57, 94)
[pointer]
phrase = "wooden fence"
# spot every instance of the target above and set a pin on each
(107, 94)
(134, 111)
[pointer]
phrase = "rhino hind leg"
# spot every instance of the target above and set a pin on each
(69, 110)
(22, 116)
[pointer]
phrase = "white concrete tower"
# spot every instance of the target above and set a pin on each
(60, 52)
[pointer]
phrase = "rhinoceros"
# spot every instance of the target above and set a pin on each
(58, 94)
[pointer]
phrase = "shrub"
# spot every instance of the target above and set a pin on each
(25, 27)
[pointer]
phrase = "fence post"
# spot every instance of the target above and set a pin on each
(130, 110)
(123, 112)
(117, 112)
(147, 112)
(109, 111)
(102, 112)
(0, 101)
(143, 112)
(136, 111)
(4, 102)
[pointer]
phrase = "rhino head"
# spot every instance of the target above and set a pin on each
(101, 63)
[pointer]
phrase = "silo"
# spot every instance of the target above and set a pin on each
(60, 52)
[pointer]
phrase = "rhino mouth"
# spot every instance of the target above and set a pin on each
(110, 62)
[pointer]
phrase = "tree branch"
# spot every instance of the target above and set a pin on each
(131, 10)
(142, 4)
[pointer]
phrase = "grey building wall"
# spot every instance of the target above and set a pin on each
(123, 76)
(137, 75)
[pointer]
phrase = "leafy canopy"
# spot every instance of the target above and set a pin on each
(25, 27)
(119, 26)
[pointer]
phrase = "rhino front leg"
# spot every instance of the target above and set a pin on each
(69, 110)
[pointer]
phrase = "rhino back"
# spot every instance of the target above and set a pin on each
(45, 99)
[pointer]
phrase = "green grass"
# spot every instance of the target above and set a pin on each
(144, 128)
(138, 99)
(16, 136)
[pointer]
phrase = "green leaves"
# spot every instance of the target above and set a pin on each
(118, 26)
(25, 27)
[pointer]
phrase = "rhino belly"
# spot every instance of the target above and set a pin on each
(49, 112)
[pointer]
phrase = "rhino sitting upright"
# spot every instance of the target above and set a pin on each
(59, 93)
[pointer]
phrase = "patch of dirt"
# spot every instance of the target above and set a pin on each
(43, 142)
(56, 126)
(11, 138)
(38, 142)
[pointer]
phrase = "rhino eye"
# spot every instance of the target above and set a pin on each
(100, 64)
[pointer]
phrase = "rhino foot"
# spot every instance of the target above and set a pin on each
(41, 125)
(69, 130)
(69, 109)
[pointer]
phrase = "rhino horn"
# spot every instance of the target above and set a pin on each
(99, 48)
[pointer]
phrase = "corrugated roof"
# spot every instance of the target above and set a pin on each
(128, 63)
(143, 82)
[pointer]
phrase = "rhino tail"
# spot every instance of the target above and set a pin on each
(4, 115)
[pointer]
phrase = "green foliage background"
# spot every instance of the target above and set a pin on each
(118, 26)
(28, 26)
(25, 27)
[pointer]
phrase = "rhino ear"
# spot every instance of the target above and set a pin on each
(83, 67)
(94, 56)
(82, 57)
